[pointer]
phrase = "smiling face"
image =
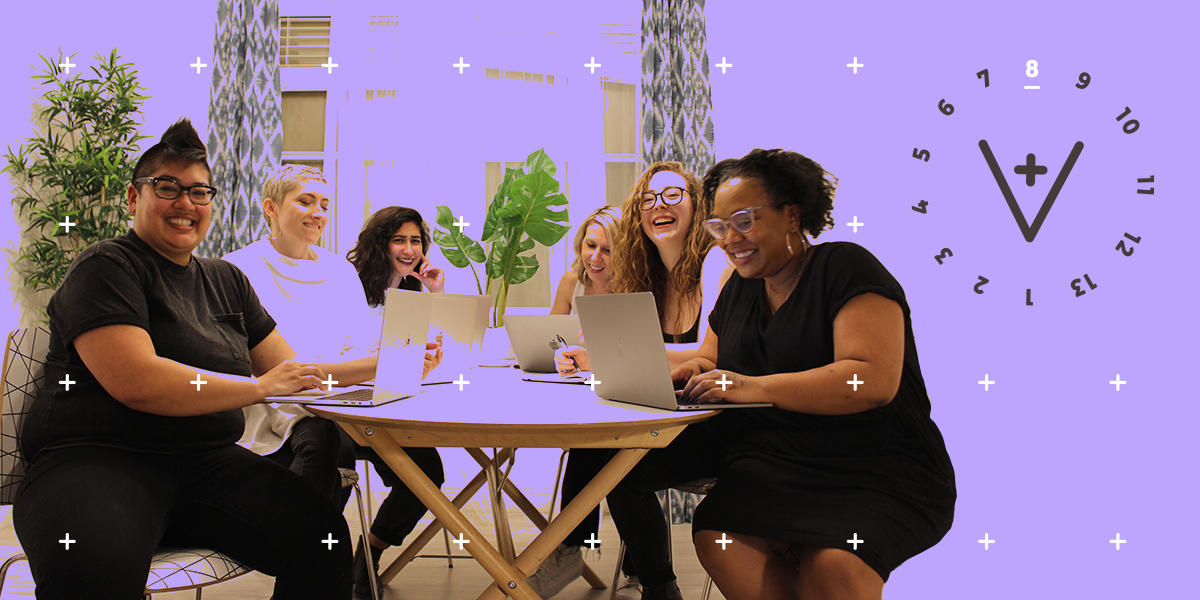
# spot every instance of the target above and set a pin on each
(172, 227)
(406, 249)
(668, 224)
(595, 252)
(762, 251)
(303, 214)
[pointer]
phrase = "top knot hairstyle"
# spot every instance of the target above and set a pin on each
(790, 179)
(180, 145)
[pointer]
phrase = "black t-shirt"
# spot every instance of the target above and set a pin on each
(799, 337)
(204, 315)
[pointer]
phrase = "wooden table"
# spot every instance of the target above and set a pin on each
(498, 410)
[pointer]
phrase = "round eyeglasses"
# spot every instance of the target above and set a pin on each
(169, 189)
(741, 221)
(670, 196)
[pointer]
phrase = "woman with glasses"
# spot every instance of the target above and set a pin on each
(132, 440)
(593, 252)
(663, 249)
(848, 452)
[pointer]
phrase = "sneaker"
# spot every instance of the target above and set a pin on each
(669, 591)
(563, 566)
(630, 589)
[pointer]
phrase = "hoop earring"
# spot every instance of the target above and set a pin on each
(787, 239)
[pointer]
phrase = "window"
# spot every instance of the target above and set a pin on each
(304, 41)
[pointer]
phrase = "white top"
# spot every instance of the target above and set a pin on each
(320, 310)
(579, 291)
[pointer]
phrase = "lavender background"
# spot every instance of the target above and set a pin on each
(1052, 462)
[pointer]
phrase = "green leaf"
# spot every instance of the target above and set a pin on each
(523, 268)
(452, 241)
(540, 161)
(531, 208)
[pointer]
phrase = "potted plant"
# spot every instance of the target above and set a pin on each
(69, 181)
(521, 212)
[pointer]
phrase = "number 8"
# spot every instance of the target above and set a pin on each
(1031, 68)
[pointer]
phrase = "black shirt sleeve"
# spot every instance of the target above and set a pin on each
(103, 288)
(851, 271)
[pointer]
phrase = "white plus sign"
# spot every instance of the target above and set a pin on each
(460, 65)
(460, 382)
(592, 381)
(724, 541)
(198, 382)
(855, 382)
(592, 541)
(329, 65)
(67, 383)
(592, 65)
(1118, 382)
(855, 224)
(986, 542)
(67, 66)
(985, 384)
(199, 65)
(855, 541)
(329, 541)
(67, 224)
(724, 65)
(329, 382)
(723, 382)
(460, 540)
(67, 541)
(1118, 541)
(461, 224)
(855, 64)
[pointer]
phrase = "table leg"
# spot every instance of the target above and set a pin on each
(499, 513)
(545, 543)
(509, 579)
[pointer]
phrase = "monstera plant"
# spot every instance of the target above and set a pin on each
(522, 211)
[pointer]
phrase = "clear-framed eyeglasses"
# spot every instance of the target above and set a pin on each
(169, 189)
(741, 221)
(670, 196)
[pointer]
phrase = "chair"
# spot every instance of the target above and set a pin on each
(700, 486)
(23, 372)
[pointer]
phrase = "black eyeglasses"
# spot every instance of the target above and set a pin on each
(169, 189)
(741, 221)
(669, 195)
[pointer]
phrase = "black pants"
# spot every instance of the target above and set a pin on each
(582, 466)
(401, 510)
(117, 506)
(311, 452)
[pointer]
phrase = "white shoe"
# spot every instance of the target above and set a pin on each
(630, 589)
(563, 566)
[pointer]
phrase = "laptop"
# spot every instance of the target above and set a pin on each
(530, 336)
(461, 321)
(401, 357)
(628, 356)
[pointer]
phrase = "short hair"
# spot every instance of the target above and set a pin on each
(179, 145)
(370, 253)
(790, 178)
(286, 179)
(607, 217)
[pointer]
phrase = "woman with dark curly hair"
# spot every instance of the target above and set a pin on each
(390, 253)
(848, 452)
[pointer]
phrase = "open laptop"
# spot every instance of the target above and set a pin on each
(401, 357)
(530, 336)
(627, 354)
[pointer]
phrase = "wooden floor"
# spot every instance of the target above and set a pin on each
(426, 578)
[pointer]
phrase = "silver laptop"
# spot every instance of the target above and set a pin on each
(530, 336)
(401, 357)
(627, 354)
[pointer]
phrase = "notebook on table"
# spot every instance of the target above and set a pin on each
(461, 321)
(401, 357)
(628, 356)
(533, 340)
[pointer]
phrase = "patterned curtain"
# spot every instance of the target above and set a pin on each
(676, 94)
(245, 130)
(676, 116)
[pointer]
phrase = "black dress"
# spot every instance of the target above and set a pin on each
(883, 474)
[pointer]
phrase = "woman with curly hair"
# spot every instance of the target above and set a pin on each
(390, 253)
(589, 273)
(829, 461)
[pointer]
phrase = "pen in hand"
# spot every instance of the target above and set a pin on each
(562, 343)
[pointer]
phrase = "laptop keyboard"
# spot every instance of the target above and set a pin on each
(351, 396)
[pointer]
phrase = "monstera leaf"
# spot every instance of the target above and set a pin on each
(459, 249)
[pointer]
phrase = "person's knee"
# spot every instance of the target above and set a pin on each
(834, 573)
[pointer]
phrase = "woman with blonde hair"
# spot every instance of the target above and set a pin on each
(589, 274)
